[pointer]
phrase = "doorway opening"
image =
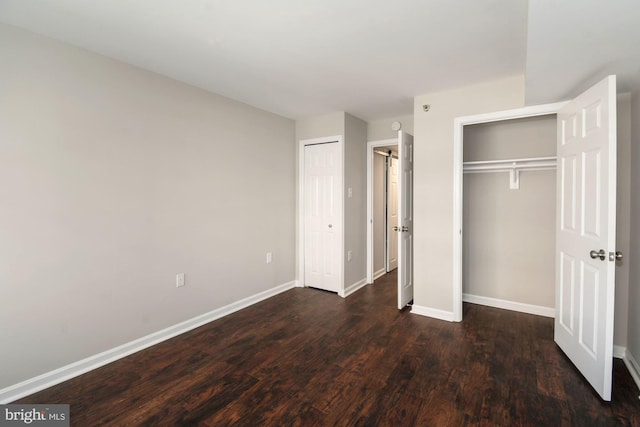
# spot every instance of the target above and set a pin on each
(383, 234)
(385, 210)
(379, 157)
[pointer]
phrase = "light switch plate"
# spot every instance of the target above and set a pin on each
(179, 280)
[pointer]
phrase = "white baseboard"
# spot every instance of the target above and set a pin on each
(432, 312)
(48, 379)
(633, 367)
(353, 288)
(619, 352)
(510, 305)
(379, 273)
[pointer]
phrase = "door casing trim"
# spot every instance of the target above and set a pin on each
(370, 146)
(458, 143)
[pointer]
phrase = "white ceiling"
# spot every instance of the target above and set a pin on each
(573, 44)
(300, 58)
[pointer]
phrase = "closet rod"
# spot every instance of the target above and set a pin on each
(540, 163)
(513, 166)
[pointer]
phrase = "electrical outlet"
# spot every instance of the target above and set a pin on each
(179, 280)
(269, 257)
(349, 192)
(349, 255)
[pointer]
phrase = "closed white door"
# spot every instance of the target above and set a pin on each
(322, 216)
(405, 223)
(392, 214)
(585, 233)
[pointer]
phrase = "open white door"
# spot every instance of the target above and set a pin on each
(585, 233)
(405, 222)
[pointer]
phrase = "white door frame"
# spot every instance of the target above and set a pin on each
(458, 135)
(370, 148)
(390, 236)
(300, 205)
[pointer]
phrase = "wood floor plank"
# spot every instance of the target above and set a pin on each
(310, 358)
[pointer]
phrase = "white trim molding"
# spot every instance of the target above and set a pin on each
(51, 378)
(632, 366)
(521, 307)
(370, 153)
(353, 288)
(619, 352)
(458, 135)
(433, 312)
(378, 274)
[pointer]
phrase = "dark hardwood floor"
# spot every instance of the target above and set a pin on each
(308, 357)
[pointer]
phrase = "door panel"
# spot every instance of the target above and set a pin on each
(568, 191)
(586, 216)
(564, 312)
(405, 223)
(323, 222)
(592, 180)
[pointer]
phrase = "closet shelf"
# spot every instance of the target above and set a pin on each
(513, 166)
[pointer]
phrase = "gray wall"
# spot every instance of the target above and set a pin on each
(633, 257)
(355, 212)
(114, 180)
(320, 126)
(509, 235)
(508, 139)
(433, 180)
(623, 218)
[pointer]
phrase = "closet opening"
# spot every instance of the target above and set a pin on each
(512, 179)
(585, 221)
(509, 214)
